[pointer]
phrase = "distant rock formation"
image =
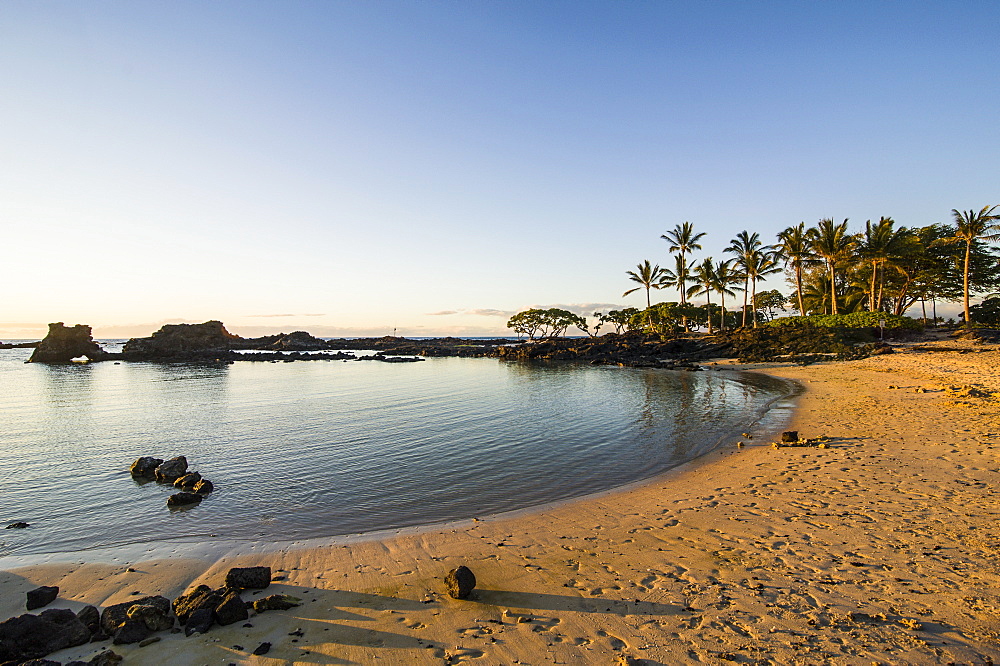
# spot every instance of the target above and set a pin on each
(64, 343)
(296, 341)
(183, 342)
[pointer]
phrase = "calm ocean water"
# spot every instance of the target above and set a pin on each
(310, 449)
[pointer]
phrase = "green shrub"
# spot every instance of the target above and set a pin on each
(852, 320)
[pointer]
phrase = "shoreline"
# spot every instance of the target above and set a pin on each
(879, 548)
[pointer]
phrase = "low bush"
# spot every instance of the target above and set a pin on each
(852, 320)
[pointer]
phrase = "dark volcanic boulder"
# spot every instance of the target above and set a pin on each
(115, 616)
(231, 609)
(131, 631)
(460, 583)
(183, 342)
(248, 578)
(203, 487)
(62, 344)
(34, 636)
(199, 621)
(41, 596)
(145, 467)
(200, 597)
(156, 618)
(171, 470)
(91, 618)
(184, 499)
(276, 602)
(17, 526)
(188, 481)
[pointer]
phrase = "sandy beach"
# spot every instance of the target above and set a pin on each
(881, 548)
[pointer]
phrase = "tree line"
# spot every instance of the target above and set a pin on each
(883, 269)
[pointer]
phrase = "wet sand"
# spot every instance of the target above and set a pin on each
(882, 548)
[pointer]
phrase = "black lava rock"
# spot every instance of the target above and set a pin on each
(41, 596)
(460, 582)
(199, 622)
(132, 630)
(184, 499)
(248, 578)
(115, 616)
(231, 609)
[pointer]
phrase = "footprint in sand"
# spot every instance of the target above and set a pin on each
(615, 642)
(460, 654)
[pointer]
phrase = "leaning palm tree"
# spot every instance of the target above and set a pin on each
(683, 240)
(795, 250)
(971, 226)
(831, 242)
(648, 277)
(704, 278)
(743, 246)
(724, 275)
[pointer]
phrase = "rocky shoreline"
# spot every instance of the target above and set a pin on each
(210, 342)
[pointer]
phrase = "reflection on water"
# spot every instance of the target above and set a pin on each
(322, 448)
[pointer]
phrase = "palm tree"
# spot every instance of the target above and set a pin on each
(724, 275)
(795, 250)
(650, 277)
(831, 242)
(683, 240)
(704, 276)
(971, 226)
(760, 264)
(877, 245)
(743, 246)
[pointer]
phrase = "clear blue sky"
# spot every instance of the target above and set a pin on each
(354, 167)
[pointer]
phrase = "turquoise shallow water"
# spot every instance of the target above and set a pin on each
(310, 449)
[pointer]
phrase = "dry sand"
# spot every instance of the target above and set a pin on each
(882, 548)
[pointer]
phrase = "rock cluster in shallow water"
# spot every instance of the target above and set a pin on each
(174, 472)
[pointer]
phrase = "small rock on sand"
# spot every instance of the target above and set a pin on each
(41, 596)
(460, 582)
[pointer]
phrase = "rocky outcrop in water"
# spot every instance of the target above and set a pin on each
(205, 341)
(171, 470)
(638, 350)
(64, 343)
(145, 467)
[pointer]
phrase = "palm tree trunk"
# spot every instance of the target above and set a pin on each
(798, 287)
(965, 283)
(708, 298)
(871, 296)
(746, 290)
(722, 320)
(753, 303)
(833, 289)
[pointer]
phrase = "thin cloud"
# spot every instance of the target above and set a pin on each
(490, 312)
(483, 312)
(306, 314)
